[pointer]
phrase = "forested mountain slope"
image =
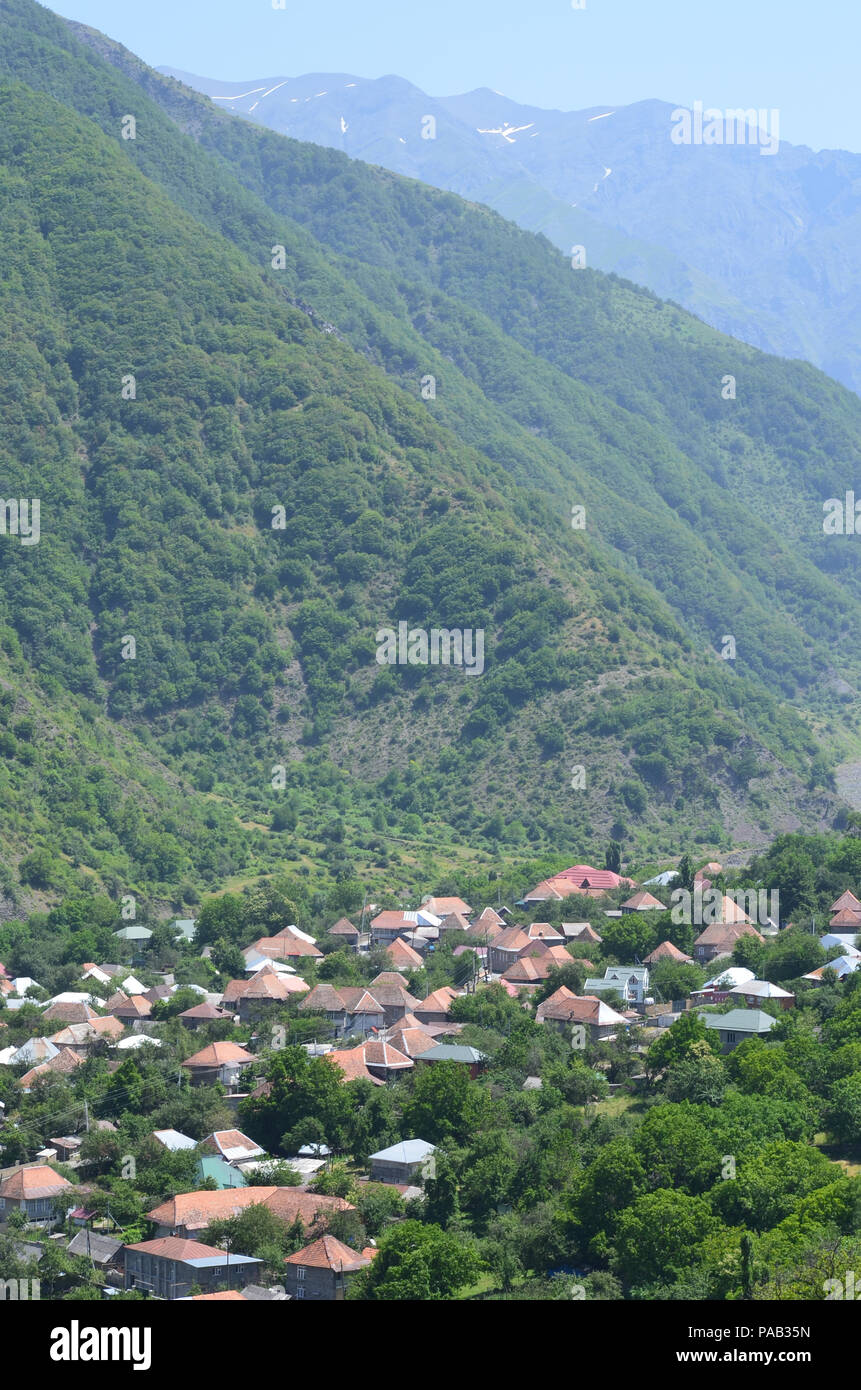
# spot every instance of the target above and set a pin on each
(299, 388)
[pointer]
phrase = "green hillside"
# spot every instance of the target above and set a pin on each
(253, 727)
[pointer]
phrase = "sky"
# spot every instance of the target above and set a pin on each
(797, 56)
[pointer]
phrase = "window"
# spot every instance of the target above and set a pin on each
(300, 1293)
(300, 1271)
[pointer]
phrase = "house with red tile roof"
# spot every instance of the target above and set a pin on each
(189, 1213)
(220, 1061)
(202, 1014)
(580, 879)
(667, 951)
(345, 932)
(32, 1190)
(444, 907)
(564, 1009)
(412, 1041)
(351, 1064)
(63, 1063)
(231, 1145)
(350, 1009)
(643, 902)
(436, 1008)
(320, 1271)
(506, 948)
(402, 955)
(719, 938)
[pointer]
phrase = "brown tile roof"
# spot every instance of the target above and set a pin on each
(329, 1253)
(666, 951)
(401, 952)
(444, 907)
(72, 1012)
(65, 1061)
(323, 997)
(512, 939)
(118, 997)
(412, 1042)
(351, 1062)
(360, 1001)
(384, 1054)
(204, 1011)
(30, 1183)
(846, 899)
(193, 1211)
(217, 1054)
(454, 921)
(437, 1003)
(390, 919)
(724, 935)
(177, 1248)
(343, 927)
(527, 971)
(847, 917)
(136, 1007)
(112, 1027)
(642, 900)
(283, 947)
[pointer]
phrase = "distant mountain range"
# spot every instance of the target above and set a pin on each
(766, 247)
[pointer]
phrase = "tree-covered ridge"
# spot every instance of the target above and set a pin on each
(255, 644)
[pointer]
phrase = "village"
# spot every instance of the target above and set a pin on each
(363, 1000)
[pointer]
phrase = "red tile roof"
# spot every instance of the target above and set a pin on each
(329, 1253)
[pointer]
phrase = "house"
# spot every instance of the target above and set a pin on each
(352, 1066)
(391, 993)
(453, 921)
(33, 1051)
(719, 938)
(320, 1271)
(389, 924)
(737, 1025)
(436, 1007)
(402, 956)
(265, 989)
(506, 948)
(667, 951)
(33, 1191)
(445, 907)
(580, 879)
(350, 1010)
(91, 971)
(102, 1250)
(232, 1145)
(202, 1014)
(78, 1037)
(563, 1009)
(223, 1174)
(172, 1140)
(65, 1062)
(643, 902)
(487, 924)
(67, 1147)
(451, 1052)
(344, 932)
(285, 948)
(132, 1010)
(527, 972)
(384, 1061)
(189, 1213)
(412, 1042)
(69, 1011)
(841, 965)
(580, 933)
(751, 994)
(170, 1267)
(846, 901)
(845, 941)
(545, 931)
(404, 1162)
(630, 982)
(220, 1061)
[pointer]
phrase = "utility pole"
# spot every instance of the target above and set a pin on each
(86, 1118)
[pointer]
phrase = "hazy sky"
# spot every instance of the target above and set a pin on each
(800, 56)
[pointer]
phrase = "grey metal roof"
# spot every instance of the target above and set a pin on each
(407, 1151)
(449, 1052)
(742, 1021)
